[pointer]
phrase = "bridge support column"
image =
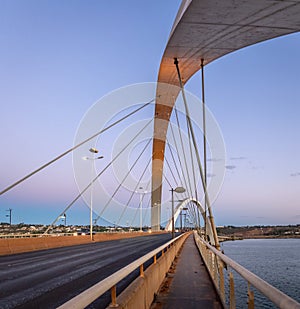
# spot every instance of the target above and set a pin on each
(157, 168)
(155, 217)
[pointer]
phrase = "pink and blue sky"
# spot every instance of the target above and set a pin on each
(58, 57)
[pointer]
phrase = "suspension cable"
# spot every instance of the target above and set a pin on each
(134, 191)
(166, 178)
(198, 157)
(169, 183)
(192, 160)
(184, 156)
(107, 166)
(204, 140)
(175, 164)
(136, 212)
(75, 147)
(168, 164)
(177, 152)
(125, 177)
(173, 158)
(149, 200)
(192, 212)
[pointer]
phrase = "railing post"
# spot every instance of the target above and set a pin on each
(154, 259)
(215, 265)
(114, 297)
(250, 298)
(280, 299)
(231, 292)
(142, 270)
(210, 260)
(222, 282)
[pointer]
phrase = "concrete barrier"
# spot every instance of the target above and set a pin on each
(20, 245)
(140, 293)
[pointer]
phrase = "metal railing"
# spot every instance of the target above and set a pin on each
(88, 296)
(216, 261)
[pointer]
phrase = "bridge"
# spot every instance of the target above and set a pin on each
(185, 141)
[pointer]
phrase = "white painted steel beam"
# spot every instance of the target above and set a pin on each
(197, 204)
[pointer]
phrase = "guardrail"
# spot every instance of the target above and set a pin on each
(88, 296)
(35, 235)
(216, 261)
(42, 234)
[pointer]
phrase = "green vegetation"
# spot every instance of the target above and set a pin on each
(259, 231)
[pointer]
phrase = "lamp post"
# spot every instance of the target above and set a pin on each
(10, 211)
(185, 208)
(141, 207)
(94, 151)
(141, 210)
(64, 218)
(177, 190)
(180, 215)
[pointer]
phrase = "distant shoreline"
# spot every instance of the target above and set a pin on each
(234, 238)
(258, 232)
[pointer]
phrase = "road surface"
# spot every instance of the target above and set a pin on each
(48, 278)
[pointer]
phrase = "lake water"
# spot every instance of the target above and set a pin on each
(276, 261)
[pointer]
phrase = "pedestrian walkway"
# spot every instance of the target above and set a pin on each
(190, 285)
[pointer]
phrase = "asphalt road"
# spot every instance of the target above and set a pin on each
(48, 278)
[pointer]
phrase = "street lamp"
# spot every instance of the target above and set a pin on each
(141, 208)
(185, 208)
(64, 218)
(176, 190)
(94, 151)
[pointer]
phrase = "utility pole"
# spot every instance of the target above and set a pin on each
(9, 215)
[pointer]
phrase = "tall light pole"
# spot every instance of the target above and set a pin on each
(93, 151)
(141, 210)
(177, 190)
(9, 210)
(141, 207)
(185, 208)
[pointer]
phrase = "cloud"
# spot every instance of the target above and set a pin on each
(211, 175)
(295, 174)
(230, 167)
(214, 160)
(238, 158)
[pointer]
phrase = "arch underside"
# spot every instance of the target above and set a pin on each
(205, 29)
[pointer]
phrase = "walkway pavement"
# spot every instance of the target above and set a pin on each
(190, 286)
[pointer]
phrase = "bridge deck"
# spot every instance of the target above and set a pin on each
(191, 286)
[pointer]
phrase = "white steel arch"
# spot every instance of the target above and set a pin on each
(197, 204)
(208, 30)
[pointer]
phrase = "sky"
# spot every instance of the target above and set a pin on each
(57, 58)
